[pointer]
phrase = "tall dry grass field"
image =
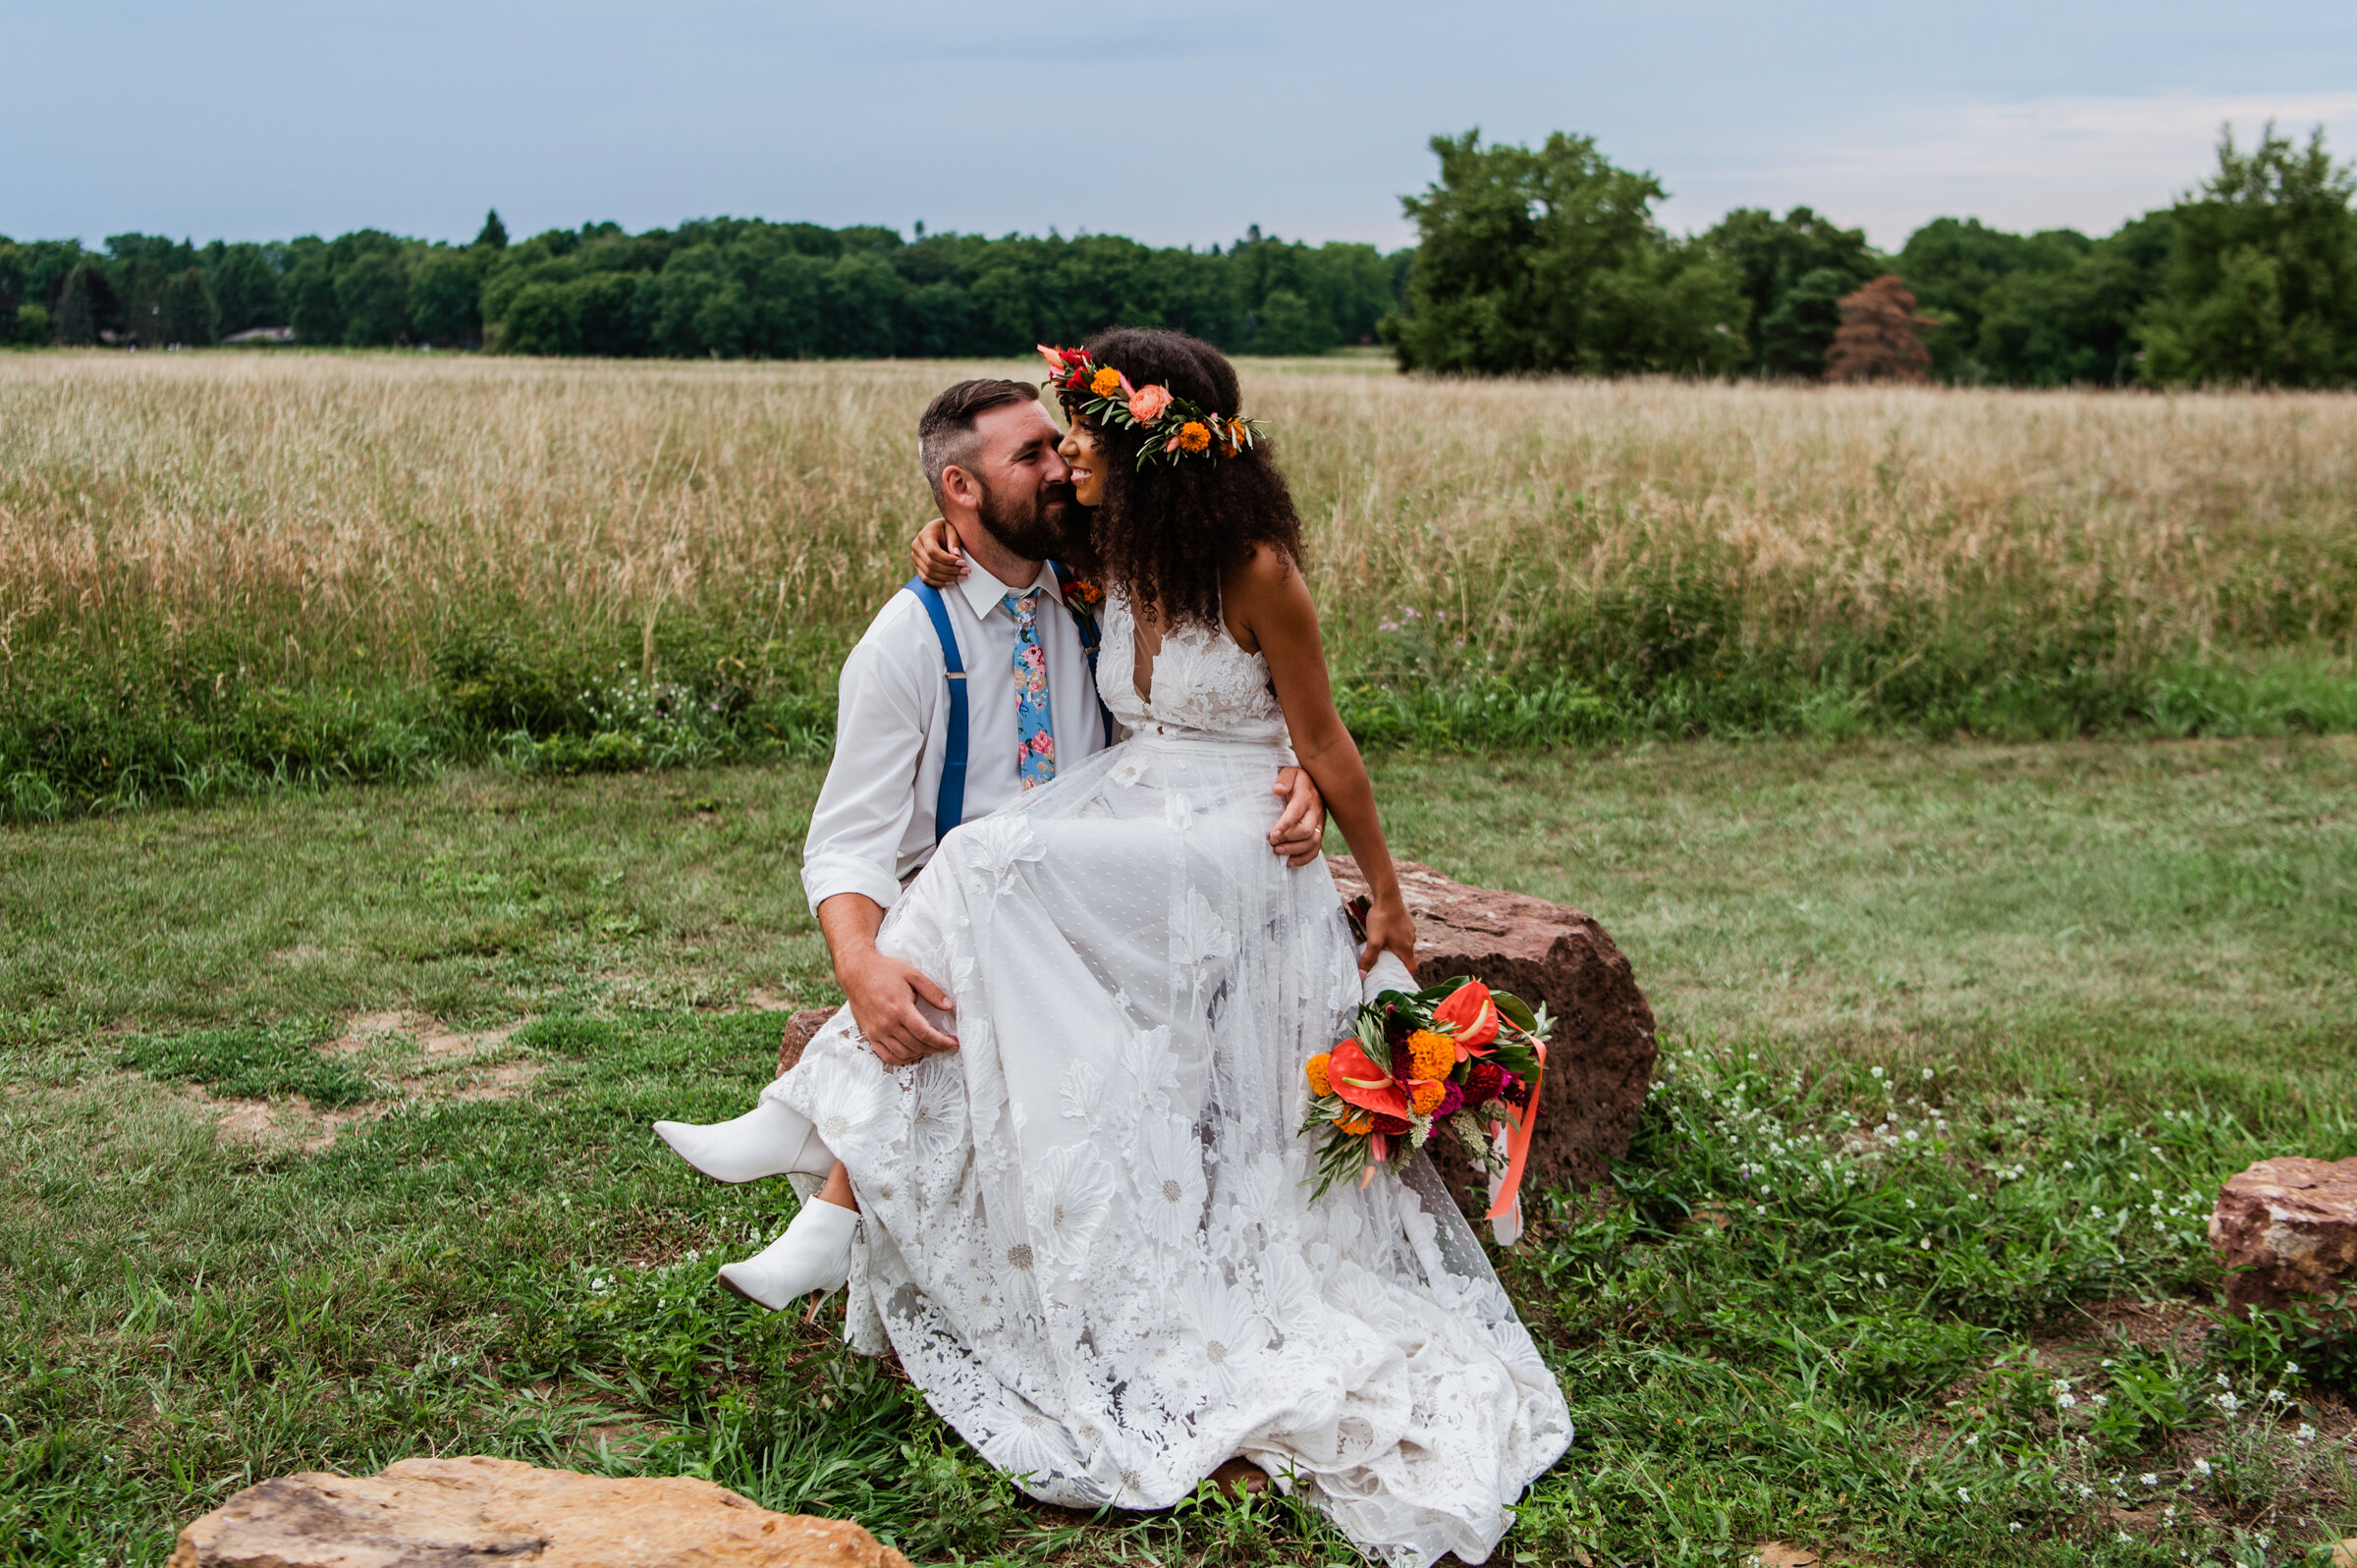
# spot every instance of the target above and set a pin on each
(1649, 554)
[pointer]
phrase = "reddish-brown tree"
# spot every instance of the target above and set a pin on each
(1881, 337)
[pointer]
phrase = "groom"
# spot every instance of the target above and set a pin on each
(953, 704)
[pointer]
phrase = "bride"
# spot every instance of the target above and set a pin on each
(1088, 1232)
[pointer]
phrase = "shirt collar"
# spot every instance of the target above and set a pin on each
(983, 591)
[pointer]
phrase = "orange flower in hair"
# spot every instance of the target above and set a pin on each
(1108, 382)
(1193, 437)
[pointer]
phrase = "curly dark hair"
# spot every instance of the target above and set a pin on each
(1165, 533)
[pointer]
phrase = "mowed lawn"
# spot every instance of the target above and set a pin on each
(328, 1121)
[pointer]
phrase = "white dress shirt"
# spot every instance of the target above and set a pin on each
(874, 825)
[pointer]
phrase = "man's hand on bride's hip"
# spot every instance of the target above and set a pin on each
(884, 994)
(1300, 833)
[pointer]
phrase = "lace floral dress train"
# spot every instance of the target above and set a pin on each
(1088, 1232)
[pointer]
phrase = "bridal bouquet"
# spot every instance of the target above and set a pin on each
(1456, 1054)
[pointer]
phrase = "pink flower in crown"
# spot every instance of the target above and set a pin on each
(1148, 404)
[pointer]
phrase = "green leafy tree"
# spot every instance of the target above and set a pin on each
(191, 317)
(1794, 336)
(374, 299)
(85, 306)
(1776, 256)
(494, 233)
(1287, 325)
(445, 298)
(1551, 260)
(2261, 283)
(243, 282)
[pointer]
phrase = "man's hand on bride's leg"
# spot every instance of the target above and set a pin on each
(883, 993)
(1300, 832)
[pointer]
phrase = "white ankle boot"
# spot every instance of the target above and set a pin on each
(814, 1254)
(769, 1139)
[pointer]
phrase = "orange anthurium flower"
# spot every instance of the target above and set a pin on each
(1357, 1079)
(1475, 1016)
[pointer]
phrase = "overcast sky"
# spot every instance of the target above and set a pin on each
(1178, 122)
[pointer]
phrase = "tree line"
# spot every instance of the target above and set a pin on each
(725, 286)
(1527, 260)
(1550, 259)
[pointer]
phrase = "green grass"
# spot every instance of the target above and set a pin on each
(2126, 969)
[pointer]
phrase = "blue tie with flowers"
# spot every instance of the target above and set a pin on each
(1034, 725)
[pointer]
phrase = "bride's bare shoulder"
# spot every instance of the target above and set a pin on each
(1262, 590)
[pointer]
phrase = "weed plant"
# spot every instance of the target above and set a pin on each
(230, 573)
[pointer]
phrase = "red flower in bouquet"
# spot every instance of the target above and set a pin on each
(1474, 1015)
(1360, 1079)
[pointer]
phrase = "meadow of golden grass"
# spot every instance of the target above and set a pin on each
(317, 507)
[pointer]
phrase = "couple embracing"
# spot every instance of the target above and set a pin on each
(1067, 872)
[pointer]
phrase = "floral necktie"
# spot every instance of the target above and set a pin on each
(1034, 725)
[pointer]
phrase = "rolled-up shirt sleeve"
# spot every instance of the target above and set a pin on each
(866, 806)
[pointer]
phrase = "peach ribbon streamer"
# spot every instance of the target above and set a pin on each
(1506, 1199)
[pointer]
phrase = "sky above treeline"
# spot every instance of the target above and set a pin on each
(1178, 122)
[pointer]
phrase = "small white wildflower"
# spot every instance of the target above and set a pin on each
(2223, 1381)
(2306, 1434)
(2015, 1527)
(2227, 1402)
(2276, 1396)
(2202, 1466)
(2068, 1166)
(2292, 1369)
(1926, 1244)
(1963, 1495)
(2149, 1479)
(1877, 1071)
(2066, 1401)
(2098, 1400)
(1972, 1440)
(1927, 1073)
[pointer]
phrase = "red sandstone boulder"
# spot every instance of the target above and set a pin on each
(479, 1512)
(1598, 1058)
(2287, 1230)
(799, 1030)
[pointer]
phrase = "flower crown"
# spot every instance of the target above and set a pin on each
(1175, 427)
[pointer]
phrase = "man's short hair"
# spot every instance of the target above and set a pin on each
(945, 434)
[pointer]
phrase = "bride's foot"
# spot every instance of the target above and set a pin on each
(1240, 1477)
(814, 1254)
(769, 1139)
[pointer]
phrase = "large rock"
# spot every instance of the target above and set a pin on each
(2286, 1229)
(459, 1513)
(1600, 1053)
(799, 1030)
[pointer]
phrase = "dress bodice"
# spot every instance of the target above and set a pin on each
(1205, 685)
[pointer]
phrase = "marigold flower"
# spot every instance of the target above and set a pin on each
(1430, 1055)
(1358, 1123)
(1314, 1071)
(1107, 382)
(1193, 437)
(1428, 1096)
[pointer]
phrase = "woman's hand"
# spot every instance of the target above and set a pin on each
(1390, 926)
(940, 560)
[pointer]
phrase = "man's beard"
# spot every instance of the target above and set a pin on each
(1034, 525)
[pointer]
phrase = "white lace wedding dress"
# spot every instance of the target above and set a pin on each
(1088, 1232)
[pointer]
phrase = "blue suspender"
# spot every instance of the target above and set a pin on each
(949, 807)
